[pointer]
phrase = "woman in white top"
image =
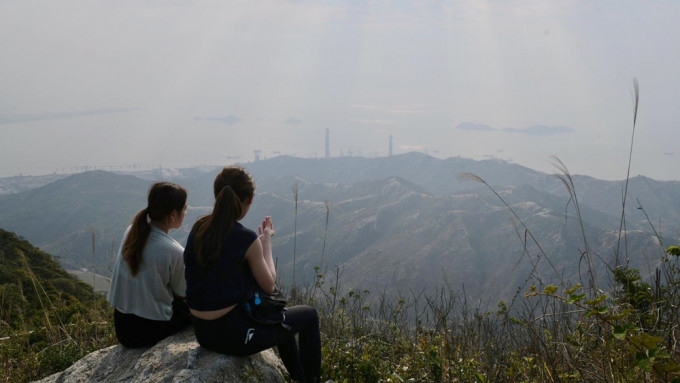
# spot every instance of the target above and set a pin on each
(148, 286)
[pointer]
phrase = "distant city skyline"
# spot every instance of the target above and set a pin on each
(257, 155)
(181, 84)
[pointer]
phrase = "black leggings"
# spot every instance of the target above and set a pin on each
(236, 334)
(133, 331)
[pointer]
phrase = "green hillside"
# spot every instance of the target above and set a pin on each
(48, 318)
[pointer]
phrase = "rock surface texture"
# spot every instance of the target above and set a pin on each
(178, 358)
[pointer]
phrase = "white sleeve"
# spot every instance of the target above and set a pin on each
(177, 282)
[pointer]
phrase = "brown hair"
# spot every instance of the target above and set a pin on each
(163, 199)
(233, 186)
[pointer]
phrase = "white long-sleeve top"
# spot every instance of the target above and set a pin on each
(149, 294)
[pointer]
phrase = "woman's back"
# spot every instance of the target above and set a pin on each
(147, 286)
(225, 282)
(223, 261)
(149, 294)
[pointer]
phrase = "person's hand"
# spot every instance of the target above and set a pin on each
(266, 230)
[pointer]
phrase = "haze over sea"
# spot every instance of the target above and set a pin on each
(185, 83)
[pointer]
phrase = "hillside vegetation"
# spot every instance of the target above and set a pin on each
(546, 333)
(48, 319)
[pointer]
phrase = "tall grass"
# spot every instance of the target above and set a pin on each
(557, 332)
(55, 336)
(325, 231)
(295, 198)
(94, 278)
(622, 225)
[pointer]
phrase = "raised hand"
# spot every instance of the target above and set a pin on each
(267, 228)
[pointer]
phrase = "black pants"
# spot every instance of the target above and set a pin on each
(134, 331)
(236, 334)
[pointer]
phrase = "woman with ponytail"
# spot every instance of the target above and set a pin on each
(148, 286)
(222, 259)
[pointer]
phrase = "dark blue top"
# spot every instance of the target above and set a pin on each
(224, 283)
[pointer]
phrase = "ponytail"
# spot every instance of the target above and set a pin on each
(164, 198)
(232, 188)
(212, 230)
(135, 241)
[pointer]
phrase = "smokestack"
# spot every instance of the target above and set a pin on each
(390, 145)
(328, 143)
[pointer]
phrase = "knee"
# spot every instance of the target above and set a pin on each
(310, 312)
(313, 316)
(304, 315)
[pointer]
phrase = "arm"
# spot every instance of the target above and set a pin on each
(259, 257)
(266, 232)
(256, 260)
(177, 282)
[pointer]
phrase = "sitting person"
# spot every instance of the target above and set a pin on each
(222, 259)
(148, 286)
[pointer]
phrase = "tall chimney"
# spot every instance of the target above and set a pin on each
(328, 143)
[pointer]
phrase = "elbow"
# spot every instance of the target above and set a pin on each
(269, 286)
(269, 289)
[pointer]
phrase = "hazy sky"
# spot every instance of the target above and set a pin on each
(184, 83)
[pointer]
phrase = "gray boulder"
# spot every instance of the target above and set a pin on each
(178, 358)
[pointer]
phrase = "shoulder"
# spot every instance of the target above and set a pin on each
(125, 234)
(244, 232)
(164, 243)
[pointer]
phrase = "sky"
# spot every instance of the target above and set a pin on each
(169, 83)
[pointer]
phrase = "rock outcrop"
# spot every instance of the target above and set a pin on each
(178, 358)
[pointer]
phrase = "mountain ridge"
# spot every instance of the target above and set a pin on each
(405, 221)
